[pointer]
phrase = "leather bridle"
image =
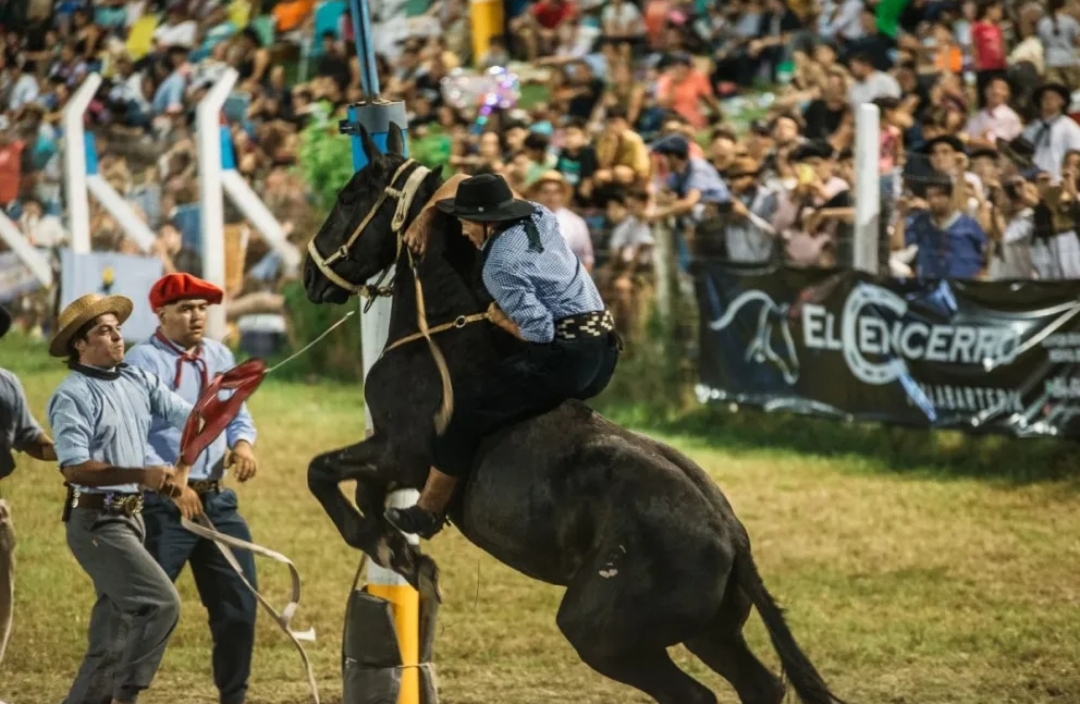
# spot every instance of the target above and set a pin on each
(404, 197)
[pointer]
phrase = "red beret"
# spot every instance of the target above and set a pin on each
(177, 287)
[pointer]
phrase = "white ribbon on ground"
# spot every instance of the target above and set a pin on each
(205, 529)
(7, 575)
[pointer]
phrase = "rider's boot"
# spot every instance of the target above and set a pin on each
(427, 517)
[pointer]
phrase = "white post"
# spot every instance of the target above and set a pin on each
(78, 202)
(260, 216)
(867, 188)
(211, 197)
(121, 210)
(33, 259)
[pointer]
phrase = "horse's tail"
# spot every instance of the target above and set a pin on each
(797, 668)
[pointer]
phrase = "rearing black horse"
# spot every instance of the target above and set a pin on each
(649, 549)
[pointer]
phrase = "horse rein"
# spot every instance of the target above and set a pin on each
(404, 197)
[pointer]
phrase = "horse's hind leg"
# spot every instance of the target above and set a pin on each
(723, 649)
(617, 631)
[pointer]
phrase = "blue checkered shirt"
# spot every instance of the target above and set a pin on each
(536, 289)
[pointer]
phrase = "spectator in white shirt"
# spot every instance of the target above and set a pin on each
(176, 30)
(553, 191)
(869, 83)
(24, 85)
(997, 121)
(622, 20)
(1053, 134)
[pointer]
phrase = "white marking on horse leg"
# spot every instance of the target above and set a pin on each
(383, 553)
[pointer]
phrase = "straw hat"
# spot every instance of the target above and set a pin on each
(80, 312)
(552, 176)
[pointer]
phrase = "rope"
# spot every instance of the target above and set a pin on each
(205, 529)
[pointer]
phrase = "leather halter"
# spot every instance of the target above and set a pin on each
(404, 197)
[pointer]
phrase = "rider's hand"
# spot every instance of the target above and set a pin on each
(416, 237)
(189, 504)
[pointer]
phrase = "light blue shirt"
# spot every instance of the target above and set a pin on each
(18, 427)
(536, 289)
(109, 420)
(164, 447)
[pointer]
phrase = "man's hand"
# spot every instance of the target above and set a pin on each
(739, 209)
(497, 316)
(189, 503)
(416, 237)
(155, 478)
(244, 461)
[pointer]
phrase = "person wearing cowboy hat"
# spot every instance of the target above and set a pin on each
(543, 296)
(695, 182)
(947, 154)
(101, 415)
(553, 191)
(180, 355)
(1053, 134)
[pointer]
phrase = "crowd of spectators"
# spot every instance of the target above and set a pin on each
(731, 123)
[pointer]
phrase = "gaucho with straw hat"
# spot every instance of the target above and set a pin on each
(101, 414)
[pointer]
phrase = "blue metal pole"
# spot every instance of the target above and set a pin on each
(365, 49)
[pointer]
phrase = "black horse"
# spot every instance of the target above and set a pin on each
(648, 547)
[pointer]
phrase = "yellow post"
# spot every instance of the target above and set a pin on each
(405, 602)
(486, 17)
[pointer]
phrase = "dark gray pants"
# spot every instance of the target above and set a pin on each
(136, 610)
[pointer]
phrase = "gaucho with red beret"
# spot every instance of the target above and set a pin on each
(181, 355)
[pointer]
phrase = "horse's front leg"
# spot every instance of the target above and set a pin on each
(362, 463)
(372, 465)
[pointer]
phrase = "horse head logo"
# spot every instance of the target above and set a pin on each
(770, 317)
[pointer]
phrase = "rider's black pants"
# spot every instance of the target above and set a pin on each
(524, 386)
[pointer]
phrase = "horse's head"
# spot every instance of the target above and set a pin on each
(359, 238)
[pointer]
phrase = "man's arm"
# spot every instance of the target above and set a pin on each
(94, 473)
(512, 289)
(29, 435)
(69, 419)
(42, 448)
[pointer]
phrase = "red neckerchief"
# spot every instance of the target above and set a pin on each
(195, 358)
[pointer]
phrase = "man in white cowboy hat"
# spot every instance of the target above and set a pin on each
(545, 297)
(19, 431)
(101, 414)
(187, 362)
(553, 191)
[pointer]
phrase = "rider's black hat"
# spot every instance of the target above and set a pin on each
(485, 198)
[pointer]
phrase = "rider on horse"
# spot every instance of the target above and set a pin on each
(543, 296)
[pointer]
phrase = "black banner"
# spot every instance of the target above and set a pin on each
(983, 357)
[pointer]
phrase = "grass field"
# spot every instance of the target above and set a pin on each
(904, 587)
